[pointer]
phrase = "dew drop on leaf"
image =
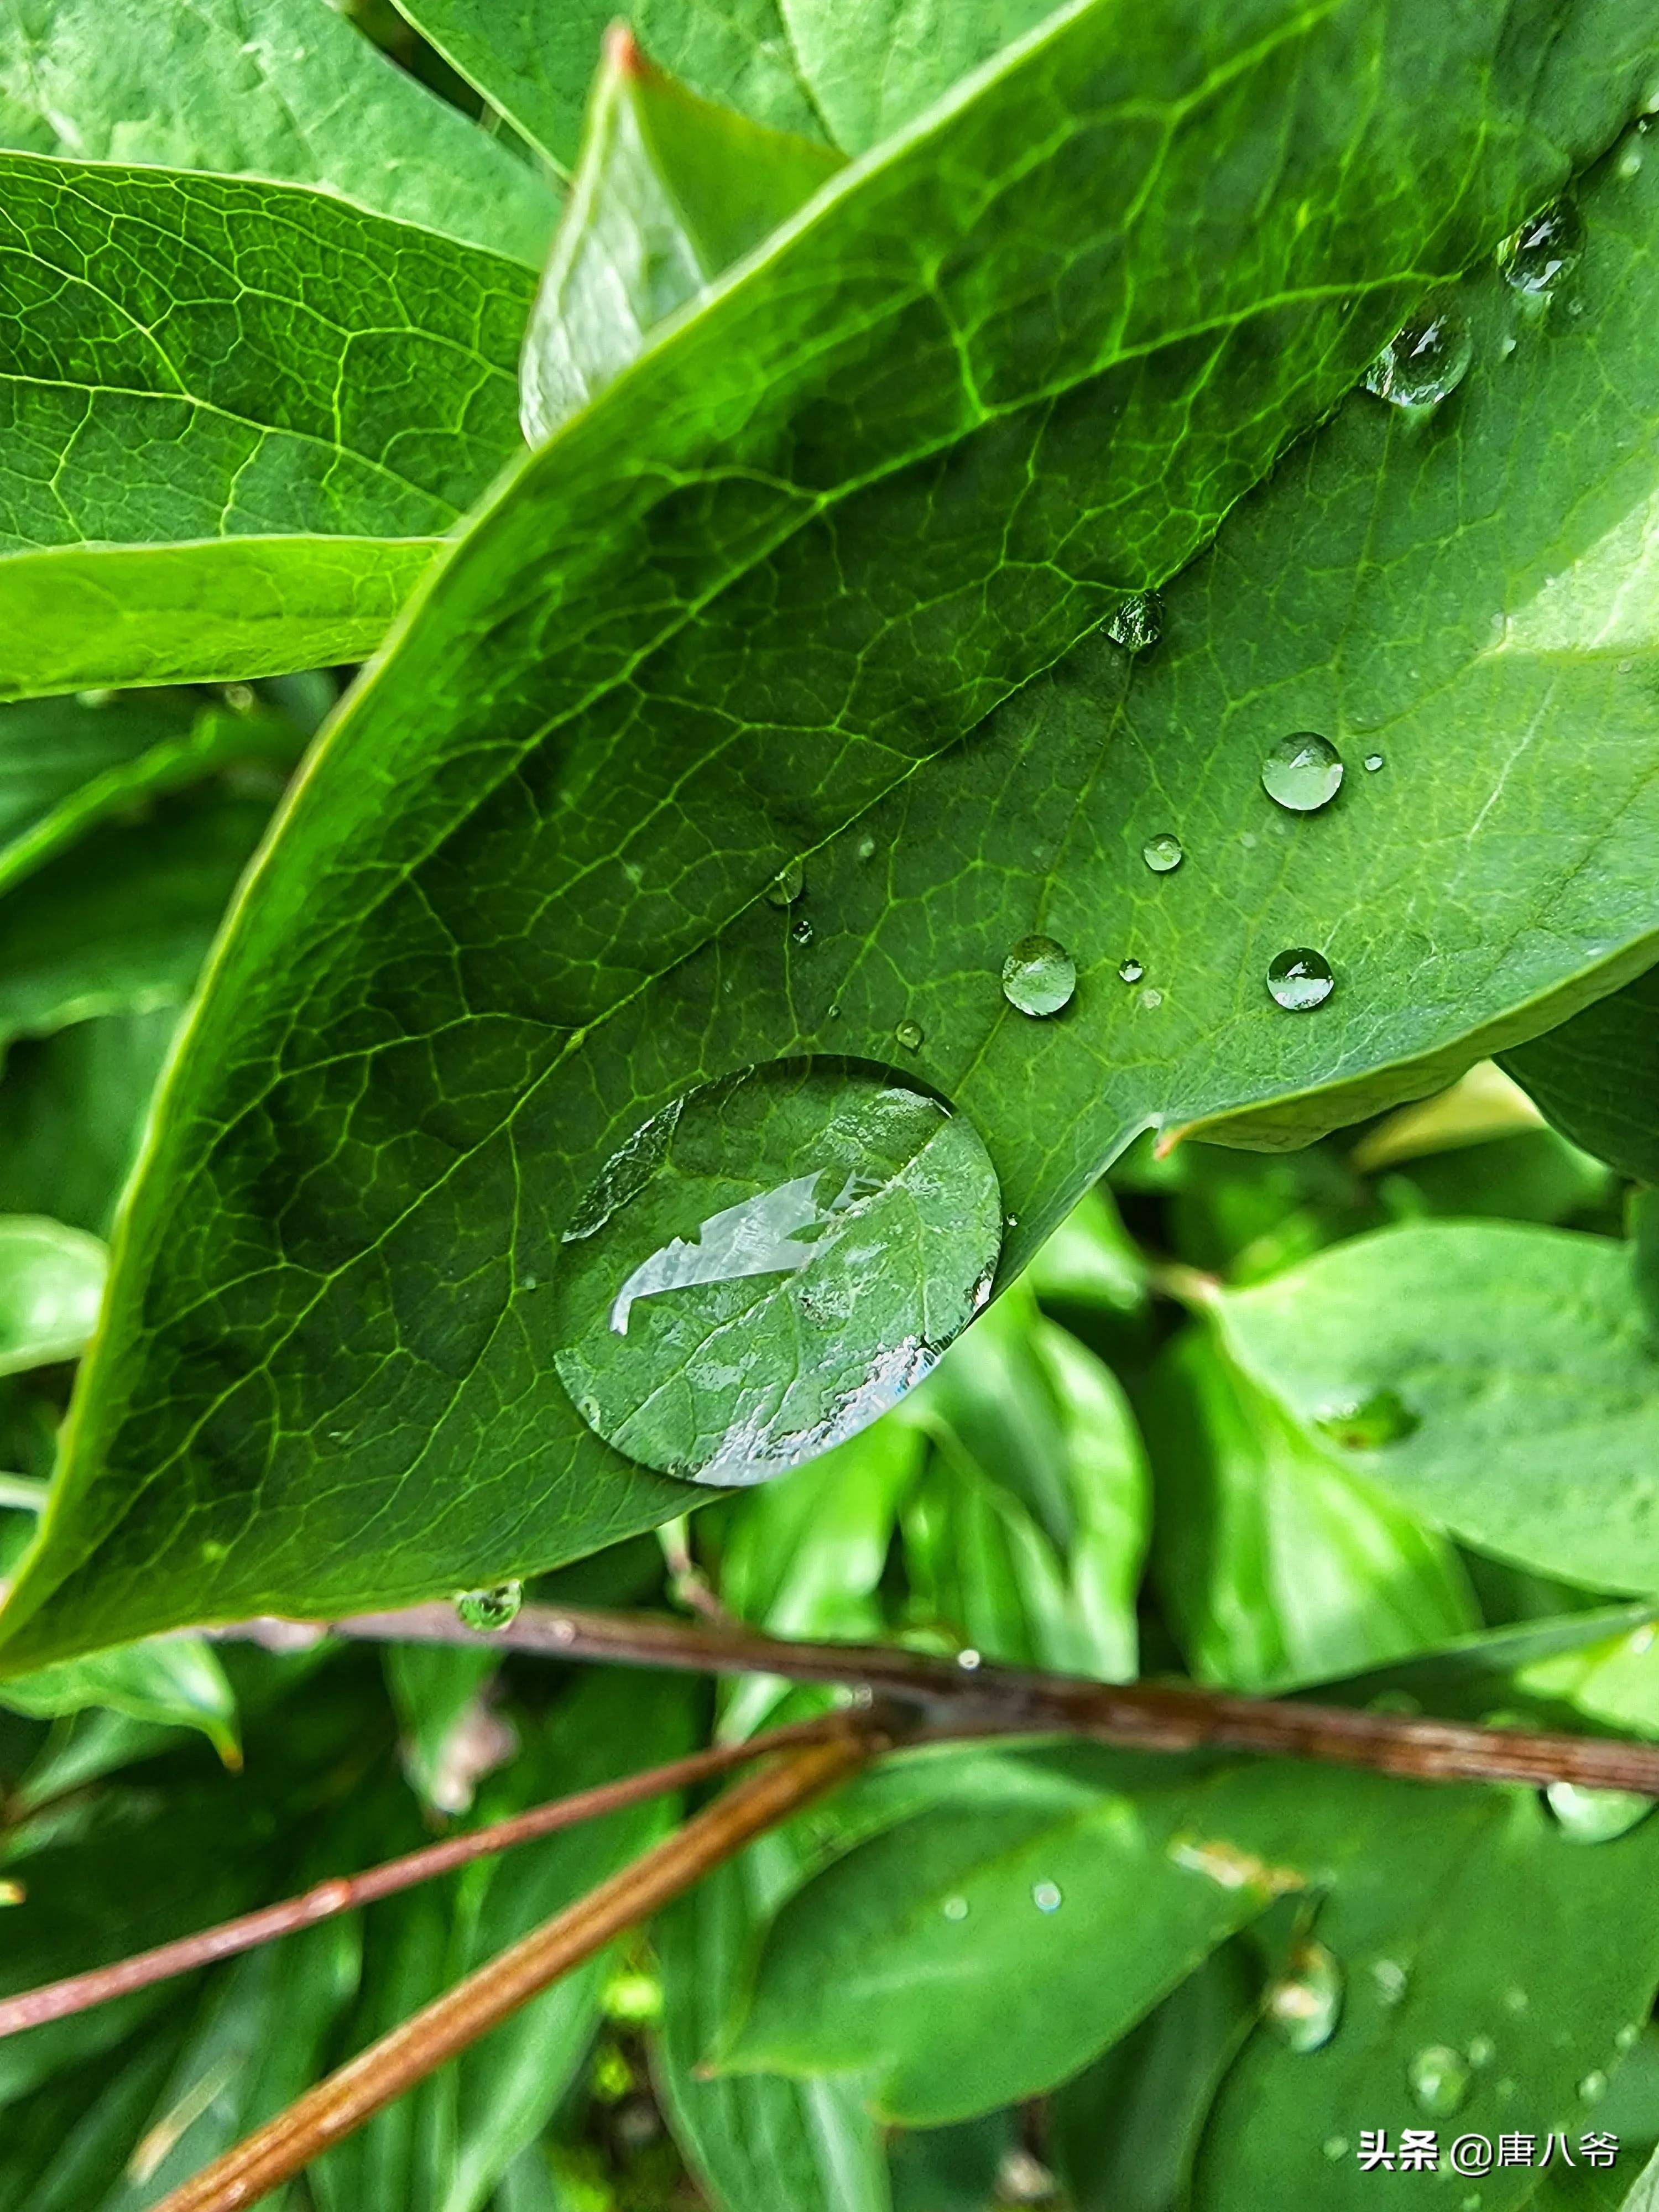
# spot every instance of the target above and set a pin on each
(496, 1608)
(955, 1908)
(1130, 971)
(787, 886)
(910, 1034)
(1163, 853)
(1139, 622)
(1595, 1816)
(1368, 1423)
(1046, 1896)
(1373, 762)
(866, 848)
(1038, 976)
(1302, 772)
(1482, 2050)
(801, 930)
(1423, 362)
(1628, 2036)
(769, 1263)
(1303, 2006)
(1336, 2147)
(1300, 979)
(1151, 1000)
(1594, 2087)
(1438, 2079)
(1544, 248)
(1392, 1981)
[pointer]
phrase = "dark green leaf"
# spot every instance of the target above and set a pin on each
(72, 1107)
(1597, 1076)
(173, 1682)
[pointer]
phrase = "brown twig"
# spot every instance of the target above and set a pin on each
(992, 1700)
(80, 1992)
(453, 2022)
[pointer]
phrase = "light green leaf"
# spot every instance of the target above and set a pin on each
(1092, 1259)
(284, 88)
(201, 358)
(679, 554)
(1595, 1077)
(1527, 1423)
(173, 1681)
(1276, 1566)
(52, 1284)
(436, 1692)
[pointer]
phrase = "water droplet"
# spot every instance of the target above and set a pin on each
(1544, 249)
(787, 886)
(801, 930)
(866, 848)
(1335, 2147)
(1471, 2203)
(1595, 1816)
(1164, 853)
(1594, 2087)
(910, 1034)
(1392, 1981)
(955, 1908)
(1424, 362)
(1373, 762)
(1482, 2050)
(1139, 622)
(968, 1659)
(1300, 979)
(1038, 976)
(495, 1608)
(1438, 2079)
(1302, 772)
(1151, 1000)
(1516, 2000)
(1629, 163)
(679, 1296)
(1628, 2036)
(1130, 971)
(1366, 1423)
(1045, 1895)
(1305, 2003)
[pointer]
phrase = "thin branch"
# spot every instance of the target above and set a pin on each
(453, 2022)
(80, 1992)
(987, 1700)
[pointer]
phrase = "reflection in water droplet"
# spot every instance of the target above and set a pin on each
(1138, 622)
(1373, 762)
(1335, 2147)
(1544, 249)
(1366, 1423)
(1305, 2005)
(1302, 772)
(1163, 853)
(1045, 1895)
(1595, 1816)
(787, 886)
(1130, 970)
(1038, 976)
(1482, 2050)
(1438, 2079)
(497, 1607)
(1300, 979)
(801, 930)
(1594, 2087)
(769, 1263)
(910, 1034)
(955, 1908)
(1424, 362)
(1392, 1981)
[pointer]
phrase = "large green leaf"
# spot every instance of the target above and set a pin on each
(173, 1681)
(495, 934)
(1597, 1077)
(284, 88)
(198, 358)
(1526, 1422)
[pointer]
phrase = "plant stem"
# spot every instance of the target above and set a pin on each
(453, 2022)
(994, 1700)
(80, 1992)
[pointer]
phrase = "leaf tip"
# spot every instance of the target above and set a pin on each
(622, 51)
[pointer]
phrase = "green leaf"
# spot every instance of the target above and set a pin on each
(173, 1682)
(1527, 1423)
(52, 1284)
(756, 2144)
(1595, 1077)
(1276, 1566)
(284, 88)
(437, 1694)
(202, 358)
(72, 1109)
(659, 559)
(1091, 1261)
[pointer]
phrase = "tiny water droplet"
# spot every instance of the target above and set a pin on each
(1505, 2090)
(1139, 622)
(1595, 1816)
(1164, 853)
(1373, 762)
(1482, 2050)
(1130, 971)
(1151, 1000)
(866, 848)
(1300, 979)
(1335, 2147)
(1628, 2036)
(1544, 248)
(968, 1659)
(1392, 1981)
(1438, 2079)
(1303, 773)
(1629, 163)
(1366, 1423)
(801, 930)
(1038, 976)
(495, 1608)
(1594, 2087)
(1305, 2005)
(1516, 2000)
(1424, 362)
(787, 886)
(955, 1908)
(1471, 2203)
(910, 1034)
(1045, 1895)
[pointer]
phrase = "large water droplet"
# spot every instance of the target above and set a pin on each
(1544, 249)
(1595, 1816)
(1305, 2003)
(910, 1034)
(1163, 853)
(769, 1263)
(1138, 622)
(496, 1608)
(787, 886)
(1300, 978)
(1046, 1896)
(1439, 2079)
(1367, 1424)
(1423, 362)
(1302, 772)
(1038, 976)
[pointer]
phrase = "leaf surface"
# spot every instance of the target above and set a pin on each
(1596, 1077)
(52, 1283)
(175, 1682)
